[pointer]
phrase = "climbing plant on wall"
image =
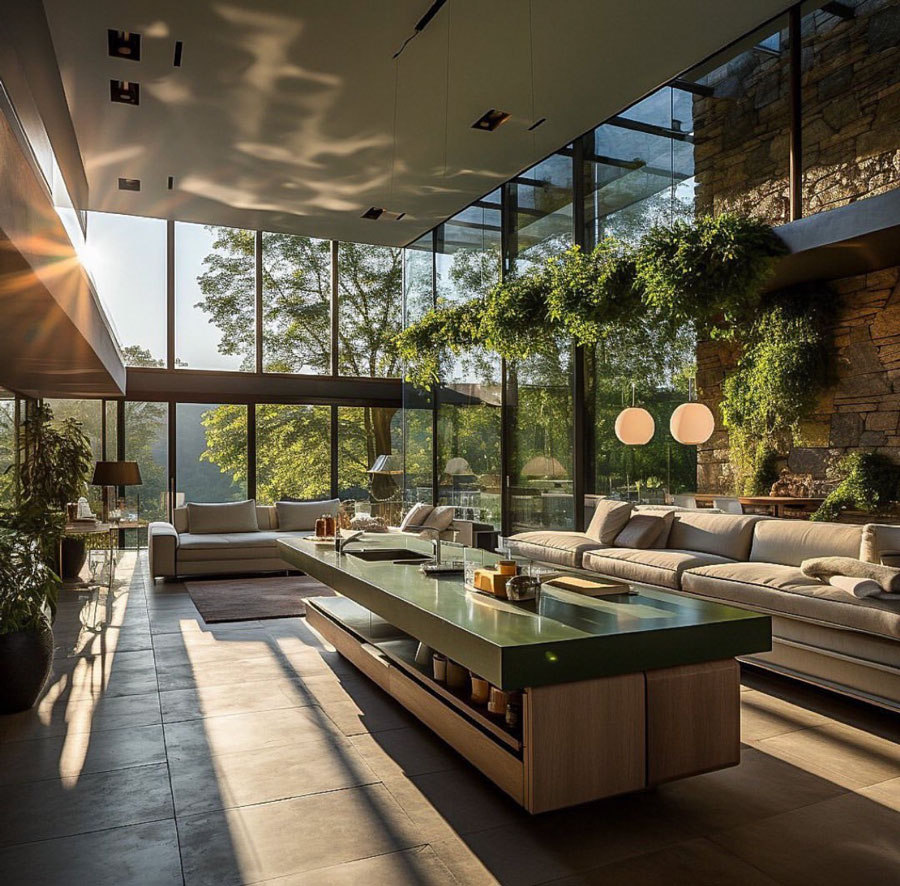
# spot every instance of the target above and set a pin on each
(782, 371)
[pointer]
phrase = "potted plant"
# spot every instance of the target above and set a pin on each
(28, 589)
(55, 464)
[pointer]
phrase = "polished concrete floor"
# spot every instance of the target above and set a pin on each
(168, 751)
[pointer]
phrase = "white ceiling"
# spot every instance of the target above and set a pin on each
(282, 116)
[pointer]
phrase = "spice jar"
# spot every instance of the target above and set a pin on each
(320, 528)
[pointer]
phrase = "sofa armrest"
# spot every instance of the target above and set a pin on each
(162, 545)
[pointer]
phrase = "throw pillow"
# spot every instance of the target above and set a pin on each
(231, 516)
(440, 518)
(416, 515)
(298, 516)
(609, 520)
(642, 531)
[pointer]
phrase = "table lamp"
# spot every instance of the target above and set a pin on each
(115, 473)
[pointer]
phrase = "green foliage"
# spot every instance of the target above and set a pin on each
(871, 481)
(763, 470)
(709, 273)
(782, 371)
(706, 275)
(28, 587)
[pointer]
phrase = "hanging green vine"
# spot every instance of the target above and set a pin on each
(779, 378)
(708, 274)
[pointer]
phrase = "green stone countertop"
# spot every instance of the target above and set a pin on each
(570, 637)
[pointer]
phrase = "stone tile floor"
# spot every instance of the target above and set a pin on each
(166, 751)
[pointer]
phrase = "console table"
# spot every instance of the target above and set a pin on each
(619, 693)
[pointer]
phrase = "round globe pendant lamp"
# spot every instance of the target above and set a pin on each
(634, 425)
(692, 423)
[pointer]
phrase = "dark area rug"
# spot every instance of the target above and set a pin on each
(249, 599)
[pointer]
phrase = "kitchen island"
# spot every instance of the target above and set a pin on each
(618, 693)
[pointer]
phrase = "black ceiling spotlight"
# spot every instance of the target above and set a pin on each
(376, 213)
(491, 119)
(170, 182)
(129, 184)
(124, 44)
(179, 48)
(125, 92)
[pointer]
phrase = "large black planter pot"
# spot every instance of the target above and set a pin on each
(74, 553)
(25, 659)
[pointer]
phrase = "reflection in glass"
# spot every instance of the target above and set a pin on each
(850, 78)
(215, 297)
(8, 445)
(364, 434)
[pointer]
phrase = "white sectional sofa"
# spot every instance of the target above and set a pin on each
(240, 537)
(820, 633)
(219, 539)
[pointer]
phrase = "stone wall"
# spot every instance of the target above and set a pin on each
(851, 117)
(851, 150)
(861, 411)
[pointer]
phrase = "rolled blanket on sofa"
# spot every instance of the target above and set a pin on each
(824, 568)
(859, 587)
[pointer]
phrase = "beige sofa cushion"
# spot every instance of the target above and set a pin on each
(790, 542)
(210, 547)
(440, 518)
(610, 517)
(559, 548)
(653, 567)
(231, 516)
(726, 535)
(644, 531)
(785, 590)
(416, 515)
(881, 543)
(297, 516)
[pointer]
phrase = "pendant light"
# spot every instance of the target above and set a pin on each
(634, 425)
(692, 423)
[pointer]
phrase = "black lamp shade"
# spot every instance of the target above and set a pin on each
(116, 473)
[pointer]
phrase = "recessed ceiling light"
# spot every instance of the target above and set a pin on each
(125, 92)
(170, 182)
(129, 184)
(376, 213)
(124, 44)
(490, 120)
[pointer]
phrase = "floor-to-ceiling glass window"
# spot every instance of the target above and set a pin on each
(89, 414)
(210, 452)
(293, 452)
(296, 304)
(370, 309)
(540, 388)
(639, 174)
(364, 434)
(126, 256)
(8, 445)
(418, 437)
(467, 264)
(215, 297)
(147, 443)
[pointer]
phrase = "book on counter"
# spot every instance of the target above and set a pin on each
(591, 587)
